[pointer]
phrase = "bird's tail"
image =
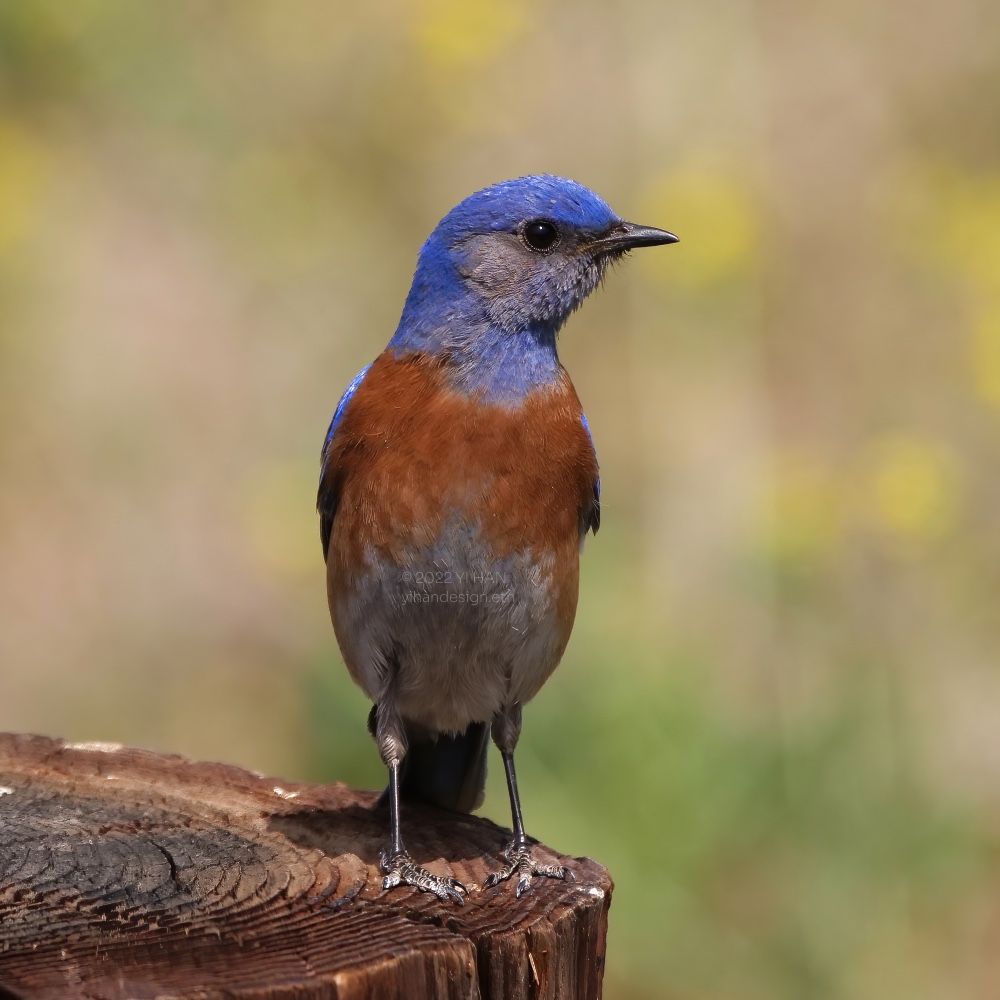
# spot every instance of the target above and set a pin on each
(446, 771)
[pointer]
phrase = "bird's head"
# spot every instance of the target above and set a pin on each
(526, 252)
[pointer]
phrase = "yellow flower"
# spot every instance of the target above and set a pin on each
(714, 215)
(457, 34)
(986, 355)
(23, 166)
(913, 487)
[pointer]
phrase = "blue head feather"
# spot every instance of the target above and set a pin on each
(482, 297)
(504, 206)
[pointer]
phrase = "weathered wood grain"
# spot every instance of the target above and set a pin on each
(128, 874)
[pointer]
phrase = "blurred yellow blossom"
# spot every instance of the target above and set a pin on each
(453, 35)
(23, 166)
(913, 486)
(986, 354)
(952, 217)
(971, 226)
(714, 215)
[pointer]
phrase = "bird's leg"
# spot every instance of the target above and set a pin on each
(517, 854)
(396, 864)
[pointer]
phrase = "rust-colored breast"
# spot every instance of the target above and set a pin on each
(411, 452)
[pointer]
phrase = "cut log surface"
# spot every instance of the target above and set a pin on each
(130, 874)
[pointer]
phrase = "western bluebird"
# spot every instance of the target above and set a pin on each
(458, 482)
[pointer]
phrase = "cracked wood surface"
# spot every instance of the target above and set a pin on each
(130, 874)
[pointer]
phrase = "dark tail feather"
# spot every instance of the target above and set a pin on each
(446, 771)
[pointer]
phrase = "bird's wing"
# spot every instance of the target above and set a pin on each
(592, 515)
(327, 497)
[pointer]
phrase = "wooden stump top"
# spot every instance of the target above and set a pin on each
(131, 875)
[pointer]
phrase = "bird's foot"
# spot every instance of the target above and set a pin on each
(521, 862)
(399, 869)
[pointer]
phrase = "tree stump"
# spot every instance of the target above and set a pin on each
(127, 875)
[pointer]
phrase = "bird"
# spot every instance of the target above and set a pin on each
(458, 482)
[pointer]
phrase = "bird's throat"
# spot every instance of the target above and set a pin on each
(500, 367)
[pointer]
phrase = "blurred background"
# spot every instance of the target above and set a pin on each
(778, 721)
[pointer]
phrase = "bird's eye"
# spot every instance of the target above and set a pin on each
(541, 235)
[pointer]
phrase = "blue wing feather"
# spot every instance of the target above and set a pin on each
(592, 519)
(342, 405)
(326, 500)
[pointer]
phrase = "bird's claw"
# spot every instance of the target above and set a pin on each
(521, 862)
(399, 869)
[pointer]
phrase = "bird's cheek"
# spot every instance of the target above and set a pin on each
(495, 266)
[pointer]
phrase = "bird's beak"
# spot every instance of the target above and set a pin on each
(627, 236)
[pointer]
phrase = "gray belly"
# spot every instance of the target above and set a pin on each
(457, 633)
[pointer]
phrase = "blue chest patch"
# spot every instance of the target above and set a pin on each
(507, 367)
